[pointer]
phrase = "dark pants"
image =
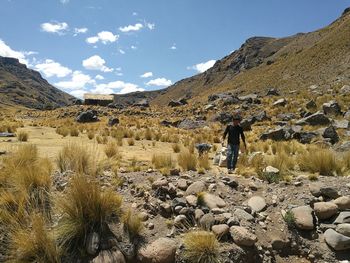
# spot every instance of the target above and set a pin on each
(232, 155)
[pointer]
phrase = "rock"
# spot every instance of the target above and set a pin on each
(343, 217)
(191, 200)
(87, 116)
(305, 137)
(345, 90)
(242, 237)
(257, 203)
(271, 171)
(331, 108)
(280, 103)
(272, 92)
(179, 201)
(336, 241)
(341, 124)
(213, 201)
(144, 103)
(174, 172)
(325, 210)
(247, 123)
(92, 243)
(220, 230)
(143, 216)
(160, 183)
(180, 221)
(182, 184)
(331, 134)
(177, 103)
(318, 190)
(113, 121)
(261, 116)
(279, 244)
(278, 134)
(242, 215)
(162, 250)
(203, 148)
(223, 117)
(7, 134)
(189, 124)
(195, 188)
(343, 202)
(303, 217)
(109, 256)
(207, 221)
(198, 213)
(311, 105)
(343, 229)
(315, 119)
(250, 98)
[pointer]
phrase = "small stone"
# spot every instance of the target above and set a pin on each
(303, 217)
(257, 203)
(198, 213)
(195, 188)
(240, 214)
(162, 250)
(337, 241)
(325, 210)
(220, 230)
(150, 226)
(242, 237)
(191, 200)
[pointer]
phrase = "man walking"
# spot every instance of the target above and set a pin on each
(234, 131)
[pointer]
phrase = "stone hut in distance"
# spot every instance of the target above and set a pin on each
(98, 99)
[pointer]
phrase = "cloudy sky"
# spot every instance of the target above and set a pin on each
(120, 46)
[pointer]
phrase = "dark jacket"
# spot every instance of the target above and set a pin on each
(233, 134)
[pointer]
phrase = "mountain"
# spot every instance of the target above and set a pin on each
(20, 86)
(319, 58)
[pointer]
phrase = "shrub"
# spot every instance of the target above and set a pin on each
(322, 161)
(131, 141)
(85, 208)
(282, 161)
(176, 147)
(201, 247)
(34, 243)
(74, 132)
(91, 135)
(289, 218)
(64, 131)
(74, 158)
(101, 139)
(132, 225)
(22, 136)
(203, 162)
(111, 149)
(148, 134)
(187, 160)
(162, 161)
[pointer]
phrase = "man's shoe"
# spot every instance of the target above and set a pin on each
(230, 171)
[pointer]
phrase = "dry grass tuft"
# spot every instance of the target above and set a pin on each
(74, 132)
(74, 158)
(187, 160)
(176, 147)
(131, 141)
(111, 149)
(22, 136)
(201, 246)
(132, 225)
(204, 162)
(85, 208)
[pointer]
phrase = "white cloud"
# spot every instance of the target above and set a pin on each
(79, 93)
(99, 77)
(103, 36)
(121, 51)
(54, 27)
(147, 75)
(78, 31)
(51, 68)
(151, 26)
(77, 82)
(134, 13)
(161, 82)
(130, 28)
(173, 47)
(64, 1)
(202, 67)
(133, 47)
(96, 63)
(6, 51)
(111, 87)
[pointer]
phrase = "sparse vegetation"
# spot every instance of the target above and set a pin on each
(201, 246)
(74, 158)
(22, 136)
(187, 160)
(111, 149)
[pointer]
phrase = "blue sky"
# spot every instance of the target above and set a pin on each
(118, 46)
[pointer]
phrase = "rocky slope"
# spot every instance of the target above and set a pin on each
(20, 86)
(296, 62)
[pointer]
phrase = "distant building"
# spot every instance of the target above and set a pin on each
(98, 99)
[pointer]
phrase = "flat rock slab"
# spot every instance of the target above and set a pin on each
(303, 217)
(336, 240)
(240, 214)
(7, 134)
(257, 203)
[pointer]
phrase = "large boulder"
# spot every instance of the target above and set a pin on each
(87, 116)
(278, 134)
(144, 103)
(223, 117)
(189, 124)
(162, 250)
(315, 119)
(325, 210)
(331, 108)
(331, 134)
(303, 217)
(343, 202)
(305, 137)
(242, 237)
(336, 240)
